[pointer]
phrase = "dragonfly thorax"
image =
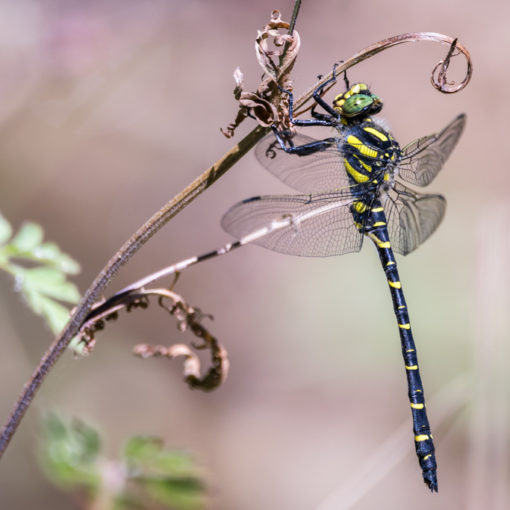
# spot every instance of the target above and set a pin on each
(370, 153)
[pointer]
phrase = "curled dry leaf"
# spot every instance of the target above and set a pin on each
(276, 54)
(286, 47)
(187, 317)
(213, 378)
(438, 76)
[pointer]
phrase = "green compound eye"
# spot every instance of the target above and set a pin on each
(357, 104)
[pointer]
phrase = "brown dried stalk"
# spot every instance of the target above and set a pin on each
(439, 82)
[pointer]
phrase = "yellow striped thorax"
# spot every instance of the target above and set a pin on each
(370, 153)
(356, 103)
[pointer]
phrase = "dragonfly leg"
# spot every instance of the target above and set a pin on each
(322, 120)
(319, 101)
(301, 150)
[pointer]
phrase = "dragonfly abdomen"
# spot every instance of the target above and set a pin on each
(377, 230)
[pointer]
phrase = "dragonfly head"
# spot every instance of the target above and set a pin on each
(357, 102)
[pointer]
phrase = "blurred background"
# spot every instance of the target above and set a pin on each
(109, 109)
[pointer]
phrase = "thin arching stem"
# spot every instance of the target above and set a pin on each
(438, 82)
(293, 19)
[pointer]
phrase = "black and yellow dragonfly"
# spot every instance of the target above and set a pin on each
(355, 186)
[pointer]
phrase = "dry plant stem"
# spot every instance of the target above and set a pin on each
(121, 257)
(171, 209)
(438, 83)
(295, 13)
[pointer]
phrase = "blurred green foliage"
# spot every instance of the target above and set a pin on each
(40, 270)
(147, 476)
(71, 454)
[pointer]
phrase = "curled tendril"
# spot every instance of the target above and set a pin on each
(188, 319)
(438, 75)
(439, 82)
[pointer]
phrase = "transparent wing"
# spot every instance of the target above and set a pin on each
(322, 225)
(423, 158)
(313, 173)
(412, 217)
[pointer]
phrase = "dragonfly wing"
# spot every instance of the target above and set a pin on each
(321, 225)
(412, 217)
(423, 158)
(320, 171)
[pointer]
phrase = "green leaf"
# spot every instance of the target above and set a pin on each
(27, 244)
(55, 314)
(5, 230)
(142, 448)
(50, 282)
(168, 477)
(54, 428)
(4, 258)
(77, 345)
(73, 441)
(41, 286)
(50, 253)
(185, 494)
(71, 458)
(28, 237)
(148, 453)
(175, 463)
(70, 454)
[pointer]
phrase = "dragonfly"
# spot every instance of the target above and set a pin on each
(355, 186)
